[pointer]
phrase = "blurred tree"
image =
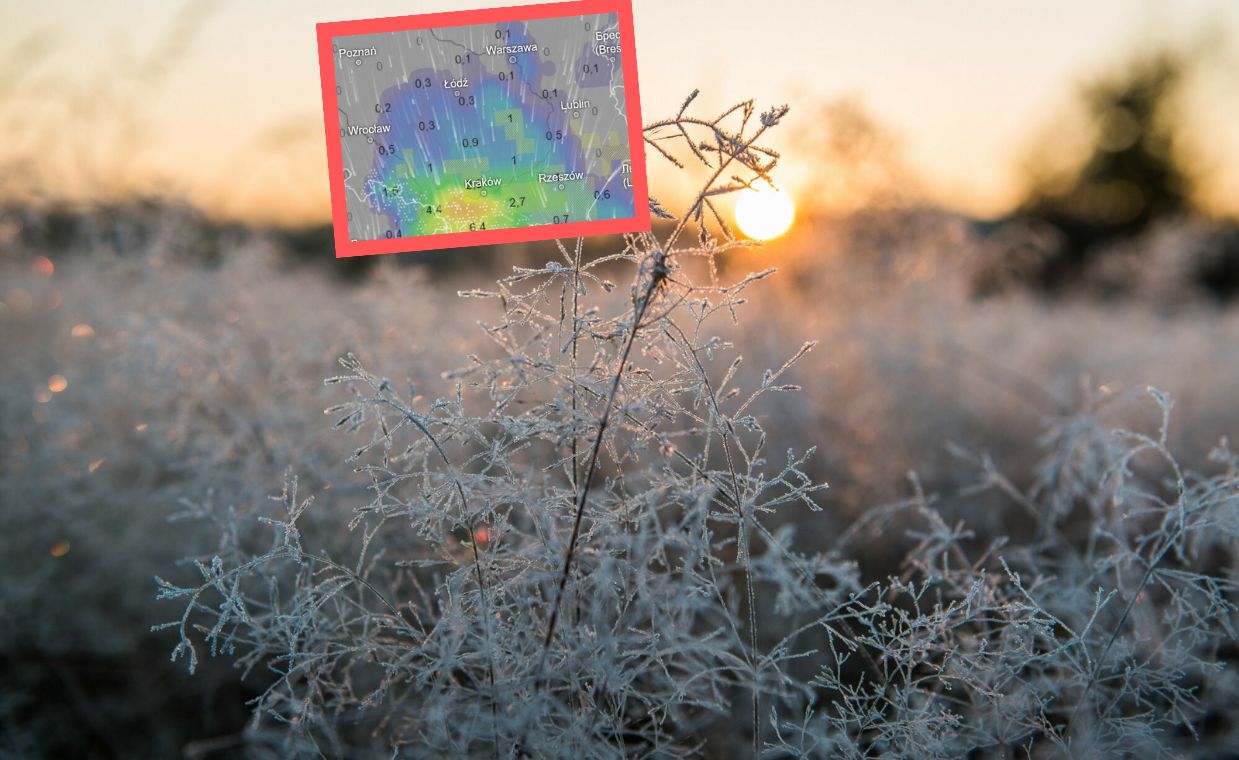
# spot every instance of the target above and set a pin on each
(1132, 175)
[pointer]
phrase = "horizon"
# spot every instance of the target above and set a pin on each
(197, 114)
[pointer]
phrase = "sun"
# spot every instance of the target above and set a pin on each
(764, 211)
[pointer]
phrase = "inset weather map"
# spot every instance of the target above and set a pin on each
(484, 127)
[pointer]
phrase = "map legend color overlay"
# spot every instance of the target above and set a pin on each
(483, 127)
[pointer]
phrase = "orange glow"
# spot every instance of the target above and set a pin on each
(57, 383)
(60, 549)
(44, 266)
(82, 331)
(95, 465)
(925, 92)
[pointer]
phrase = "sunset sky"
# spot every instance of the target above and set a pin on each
(219, 102)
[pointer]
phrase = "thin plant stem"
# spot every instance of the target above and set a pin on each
(658, 274)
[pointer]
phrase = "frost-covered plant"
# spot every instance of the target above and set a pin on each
(1106, 638)
(581, 546)
(561, 555)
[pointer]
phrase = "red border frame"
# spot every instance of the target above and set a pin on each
(640, 222)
